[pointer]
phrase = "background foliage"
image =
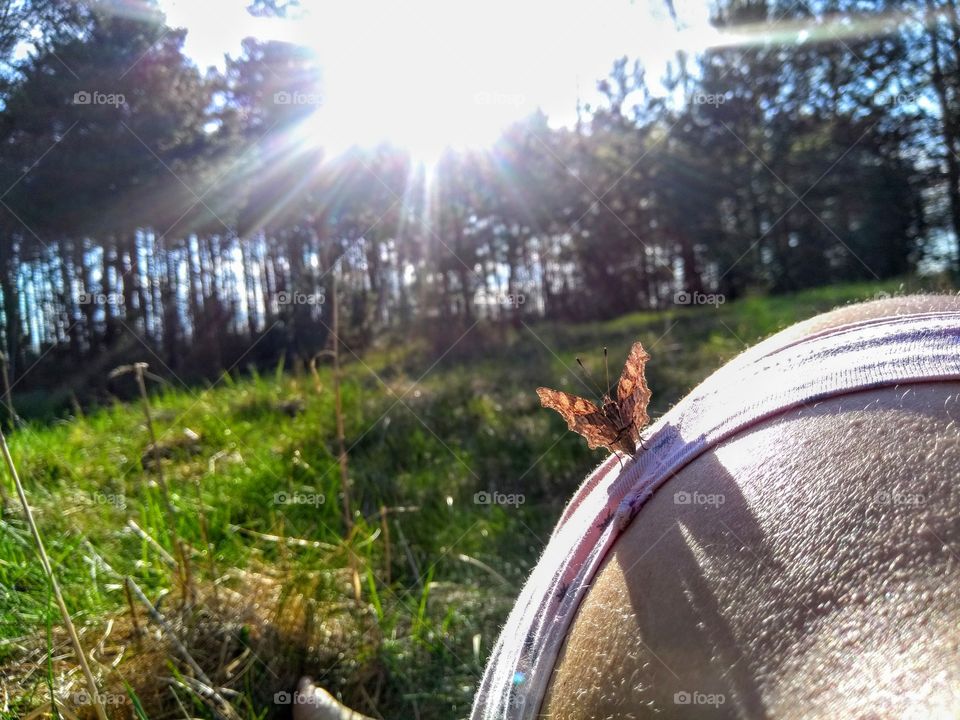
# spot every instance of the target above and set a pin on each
(201, 223)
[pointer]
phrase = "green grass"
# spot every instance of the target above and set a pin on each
(433, 595)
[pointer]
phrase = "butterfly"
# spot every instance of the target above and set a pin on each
(615, 424)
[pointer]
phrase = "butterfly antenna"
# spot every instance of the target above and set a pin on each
(587, 374)
(606, 369)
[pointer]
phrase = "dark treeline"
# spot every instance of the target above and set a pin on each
(154, 211)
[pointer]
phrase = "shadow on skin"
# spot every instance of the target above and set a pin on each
(703, 526)
(685, 648)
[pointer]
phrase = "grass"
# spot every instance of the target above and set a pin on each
(397, 616)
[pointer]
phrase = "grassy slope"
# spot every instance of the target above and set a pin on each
(436, 578)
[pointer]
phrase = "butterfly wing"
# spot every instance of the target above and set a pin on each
(582, 416)
(633, 395)
(569, 406)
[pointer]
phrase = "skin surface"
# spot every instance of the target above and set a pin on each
(825, 584)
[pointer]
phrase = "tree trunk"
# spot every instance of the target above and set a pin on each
(948, 130)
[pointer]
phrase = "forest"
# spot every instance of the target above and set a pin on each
(154, 209)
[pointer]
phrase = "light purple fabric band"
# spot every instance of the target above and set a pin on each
(764, 381)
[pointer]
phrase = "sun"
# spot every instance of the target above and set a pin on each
(412, 75)
(426, 75)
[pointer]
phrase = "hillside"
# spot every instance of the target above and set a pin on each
(397, 614)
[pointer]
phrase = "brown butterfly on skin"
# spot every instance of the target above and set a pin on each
(616, 423)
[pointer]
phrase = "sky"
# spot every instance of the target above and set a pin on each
(426, 74)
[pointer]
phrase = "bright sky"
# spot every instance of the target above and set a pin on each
(425, 74)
